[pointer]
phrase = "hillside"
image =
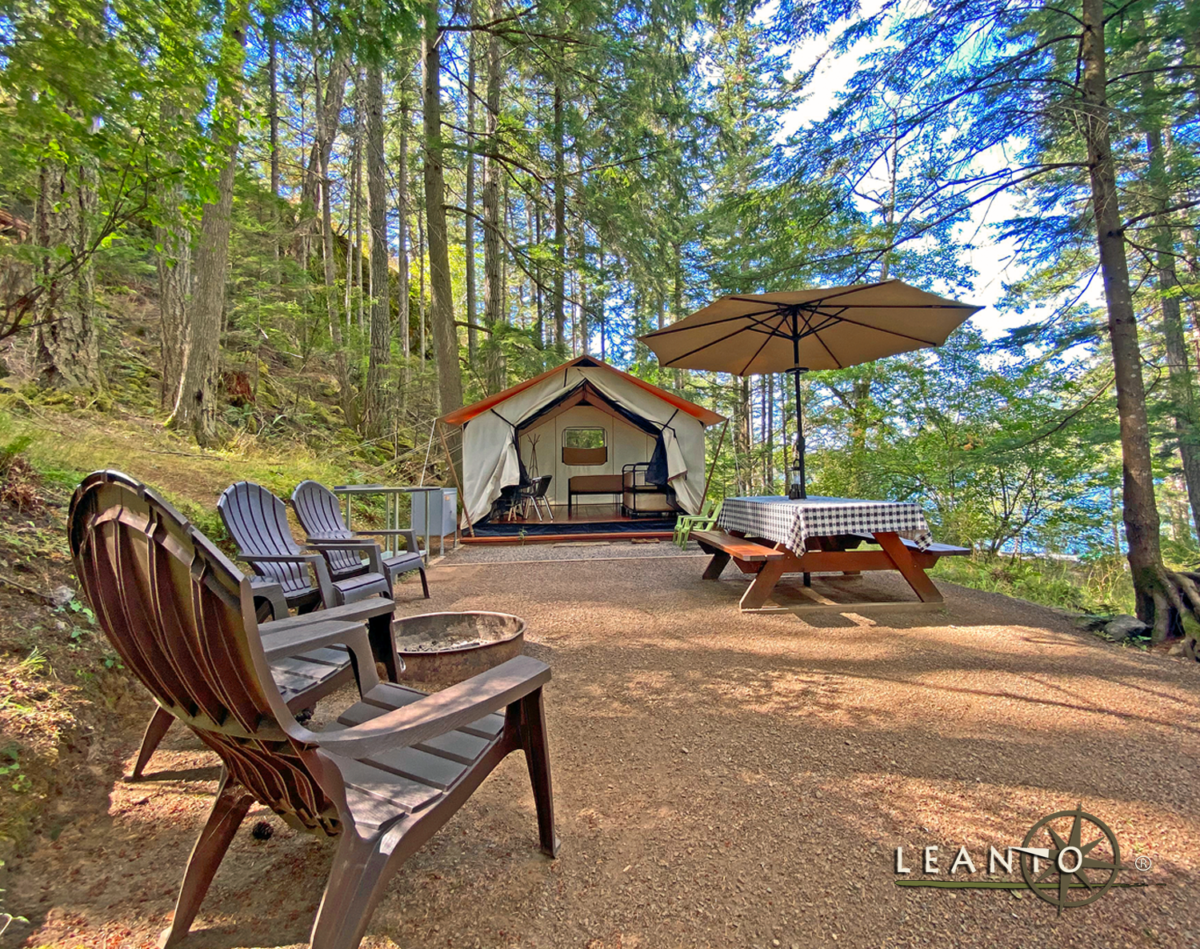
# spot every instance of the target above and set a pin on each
(66, 701)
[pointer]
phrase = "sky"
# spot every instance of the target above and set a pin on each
(991, 259)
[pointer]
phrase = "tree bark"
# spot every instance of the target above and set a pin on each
(196, 402)
(585, 300)
(600, 298)
(441, 304)
(328, 108)
(403, 314)
(375, 393)
(745, 435)
(1179, 374)
(66, 348)
(677, 300)
(356, 205)
(273, 107)
(769, 409)
(422, 329)
(539, 321)
(341, 367)
(469, 200)
(492, 287)
(329, 104)
(1140, 509)
(326, 133)
(273, 141)
(560, 216)
(173, 261)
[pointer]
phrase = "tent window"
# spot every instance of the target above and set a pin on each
(584, 446)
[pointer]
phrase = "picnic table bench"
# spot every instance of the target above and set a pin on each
(837, 554)
(938, 550)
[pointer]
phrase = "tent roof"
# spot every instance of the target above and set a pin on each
(467, 412)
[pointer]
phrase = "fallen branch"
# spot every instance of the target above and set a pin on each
(29, 591)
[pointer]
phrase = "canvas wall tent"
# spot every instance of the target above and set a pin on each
(639, 422)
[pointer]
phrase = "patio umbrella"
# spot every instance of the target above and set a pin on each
(802, 330)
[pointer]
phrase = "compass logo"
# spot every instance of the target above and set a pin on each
(1069, 858)
(1089, 868)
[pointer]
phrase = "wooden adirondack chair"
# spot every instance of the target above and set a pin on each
(319, 514)
(257, 522)
(382, 780)
(705, 520)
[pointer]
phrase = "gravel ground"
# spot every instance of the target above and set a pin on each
(566, 551)
(720, 780)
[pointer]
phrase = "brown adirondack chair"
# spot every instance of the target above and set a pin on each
(317, 509)
(257, 521)
(305, 678)
(383, 779)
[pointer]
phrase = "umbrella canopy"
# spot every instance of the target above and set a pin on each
(802, 330)
(831, 328)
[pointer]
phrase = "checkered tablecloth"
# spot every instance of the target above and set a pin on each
(791, 523)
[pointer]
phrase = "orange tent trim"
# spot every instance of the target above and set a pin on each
(460, 417)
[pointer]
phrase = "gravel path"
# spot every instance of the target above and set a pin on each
(720, 779)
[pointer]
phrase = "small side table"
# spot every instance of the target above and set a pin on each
(391, 494)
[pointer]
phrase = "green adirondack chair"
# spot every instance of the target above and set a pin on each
(705, 520)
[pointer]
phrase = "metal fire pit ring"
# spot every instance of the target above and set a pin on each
(441, 649)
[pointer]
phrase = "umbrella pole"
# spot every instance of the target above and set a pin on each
(799, 462)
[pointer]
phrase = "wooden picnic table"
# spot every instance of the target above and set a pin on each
(769, 537)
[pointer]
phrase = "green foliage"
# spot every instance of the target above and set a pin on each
(1096, 586)
(10, 769)
(116, 90)
(976, 439)
(11, 451)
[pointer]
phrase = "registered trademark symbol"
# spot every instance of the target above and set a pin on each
(1143, 863)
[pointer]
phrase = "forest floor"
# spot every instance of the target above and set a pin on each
(720, 780)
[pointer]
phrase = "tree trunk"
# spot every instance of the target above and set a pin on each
(539, 321)
(196, 402)
(341, 367)
(1140, 510)
(173, 261)
(492, 288)
(403, 313)
(441, 304)
(1179, 374)
(356, 204)
(586, 296)
(422, 331)
(327, 132)
(860, 406)
(600, 297)
(469, 200)
(273, 131)
(769, 412)
(560, 216)
(273, 107)
(745, 435)
(66, 349)
(677, 301)
(328, 109)
(375, 393)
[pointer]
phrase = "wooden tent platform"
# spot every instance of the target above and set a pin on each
(585, 522)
